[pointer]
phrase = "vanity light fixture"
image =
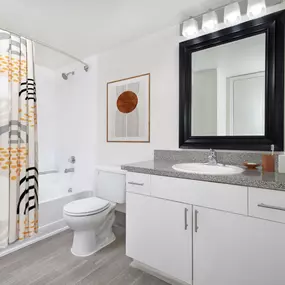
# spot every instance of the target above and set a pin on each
(256, 8)
(210, 22)
(190, 28)
(232, 15)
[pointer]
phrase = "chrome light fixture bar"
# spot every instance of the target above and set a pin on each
(232, 16)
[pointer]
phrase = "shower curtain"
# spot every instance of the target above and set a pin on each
(18, 140)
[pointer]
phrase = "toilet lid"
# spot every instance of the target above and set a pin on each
(87, 206)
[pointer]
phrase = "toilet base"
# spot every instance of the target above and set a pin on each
(77, 250)
(88, 242)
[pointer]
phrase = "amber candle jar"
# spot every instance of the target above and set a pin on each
(268, 163)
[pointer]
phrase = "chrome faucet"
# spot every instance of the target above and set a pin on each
(212, 158)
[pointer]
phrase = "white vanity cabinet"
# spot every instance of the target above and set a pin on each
(237, 250)
(206, 233)
(159, 234)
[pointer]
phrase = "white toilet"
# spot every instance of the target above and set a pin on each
(92, 218)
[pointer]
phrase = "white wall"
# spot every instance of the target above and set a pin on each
(76, 124)
(158, 55)
(81, 106)
(47, 116)
(66, 127)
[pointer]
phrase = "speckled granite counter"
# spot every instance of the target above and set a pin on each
(250, 178)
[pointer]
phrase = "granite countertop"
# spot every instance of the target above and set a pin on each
(250, 178)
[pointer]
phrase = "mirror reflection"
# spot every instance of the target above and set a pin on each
(228, 89)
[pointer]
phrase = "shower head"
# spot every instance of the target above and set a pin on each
(65, 75)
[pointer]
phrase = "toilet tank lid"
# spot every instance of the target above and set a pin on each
(111, 168)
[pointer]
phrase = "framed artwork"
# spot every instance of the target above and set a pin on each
(128, 110)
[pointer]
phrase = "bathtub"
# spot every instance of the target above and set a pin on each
(53, 195)
(54, 185)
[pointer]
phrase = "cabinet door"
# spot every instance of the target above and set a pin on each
(157, 235)
(230, 249)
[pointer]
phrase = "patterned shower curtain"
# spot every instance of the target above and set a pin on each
(18, 140)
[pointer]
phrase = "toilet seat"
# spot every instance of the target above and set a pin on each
(86, 207)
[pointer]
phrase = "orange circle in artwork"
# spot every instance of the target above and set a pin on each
(127, 102)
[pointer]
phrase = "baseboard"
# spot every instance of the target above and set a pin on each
(156, 273)
(44, 232)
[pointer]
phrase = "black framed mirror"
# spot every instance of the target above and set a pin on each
(232, 87)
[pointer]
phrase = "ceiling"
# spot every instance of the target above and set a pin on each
(86, 27)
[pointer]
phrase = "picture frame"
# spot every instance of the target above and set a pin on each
(128, 110)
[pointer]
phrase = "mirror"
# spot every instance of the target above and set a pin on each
(231, 87)
(228, 89)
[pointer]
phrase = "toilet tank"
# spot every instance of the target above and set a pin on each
(111, 183)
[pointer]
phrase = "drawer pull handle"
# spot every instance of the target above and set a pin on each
(185, 219)
(135, 183)
(271, 207)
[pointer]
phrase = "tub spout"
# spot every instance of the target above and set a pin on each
(67, 170)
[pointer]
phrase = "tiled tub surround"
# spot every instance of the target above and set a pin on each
(164, 160)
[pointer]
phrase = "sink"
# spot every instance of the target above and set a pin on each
(203, 168)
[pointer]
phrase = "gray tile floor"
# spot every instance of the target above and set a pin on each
(51, 262)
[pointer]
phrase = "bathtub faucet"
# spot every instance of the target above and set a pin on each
(67, 170)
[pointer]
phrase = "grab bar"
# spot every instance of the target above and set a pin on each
(48, 172)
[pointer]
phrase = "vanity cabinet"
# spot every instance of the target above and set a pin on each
(205, 233)
(237, 250)
(159, 234)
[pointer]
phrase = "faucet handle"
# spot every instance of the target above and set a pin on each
(212, 158)
(72, 159)
(212, 152)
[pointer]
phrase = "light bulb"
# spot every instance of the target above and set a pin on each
(256, 8)
(190, 28)
(232, 14)
(210, 22)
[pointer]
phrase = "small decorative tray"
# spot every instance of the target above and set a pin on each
(251, 165)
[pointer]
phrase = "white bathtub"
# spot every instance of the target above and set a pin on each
(50, 211)
(53, 186)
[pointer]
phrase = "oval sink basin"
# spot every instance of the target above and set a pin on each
(203, 168)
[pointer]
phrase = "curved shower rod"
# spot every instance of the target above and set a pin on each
(86, 66)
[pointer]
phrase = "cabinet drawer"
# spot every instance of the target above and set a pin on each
(138, 183)
(218, 196)
(267, 204)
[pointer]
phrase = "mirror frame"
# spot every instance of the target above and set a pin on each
(273, 27)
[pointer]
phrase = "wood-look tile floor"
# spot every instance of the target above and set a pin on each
(51, 262)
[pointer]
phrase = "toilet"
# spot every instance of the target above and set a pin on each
(91, 219)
